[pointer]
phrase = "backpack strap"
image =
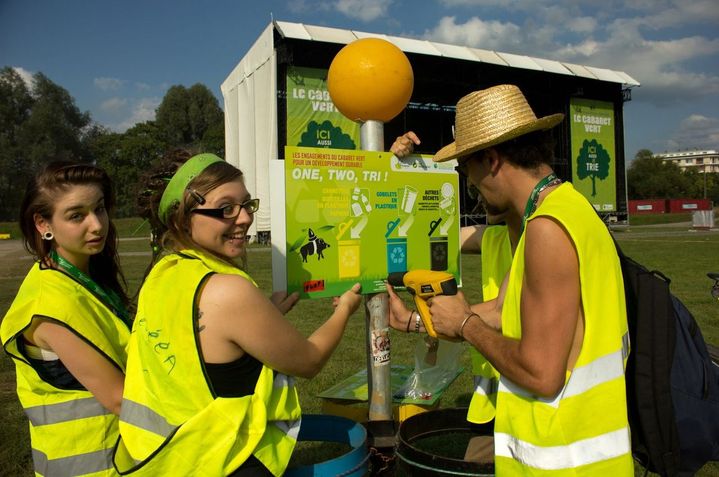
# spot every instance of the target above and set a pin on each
(652, 331)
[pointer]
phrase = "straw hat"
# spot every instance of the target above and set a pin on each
(492, 116)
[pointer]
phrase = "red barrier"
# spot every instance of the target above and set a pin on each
(647, 206)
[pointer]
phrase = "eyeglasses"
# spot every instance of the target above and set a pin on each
(462, 166)
(463, 162)
(230, 211)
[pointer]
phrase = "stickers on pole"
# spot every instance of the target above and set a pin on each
(356, 216)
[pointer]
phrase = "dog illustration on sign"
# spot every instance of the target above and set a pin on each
(315, 245)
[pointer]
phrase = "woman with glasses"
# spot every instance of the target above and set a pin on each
(211, 360)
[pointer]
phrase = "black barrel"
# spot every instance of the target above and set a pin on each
(416, 462)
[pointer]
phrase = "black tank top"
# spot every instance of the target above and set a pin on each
(235, 379)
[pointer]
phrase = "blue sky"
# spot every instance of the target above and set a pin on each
(117, 58)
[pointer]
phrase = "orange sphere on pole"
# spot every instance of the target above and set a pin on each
(370, 79)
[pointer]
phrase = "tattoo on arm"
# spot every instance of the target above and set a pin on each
(198, 325)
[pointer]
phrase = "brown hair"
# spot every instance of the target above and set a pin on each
(41, 194)
(175, 235)
(530, 150)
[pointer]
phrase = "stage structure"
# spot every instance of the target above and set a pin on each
(277, 96)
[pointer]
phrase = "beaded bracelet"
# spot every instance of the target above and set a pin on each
(409, 321)
(417, 320)
(461, 327)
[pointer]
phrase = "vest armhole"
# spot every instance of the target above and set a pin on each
(83, 338)
(195, 330)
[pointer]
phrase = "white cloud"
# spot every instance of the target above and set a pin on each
(365, 10)
(583, 25)
(108, 84)
(25, 75)
(113, 104)
(672, 66)
(489, 35)
(142, 110)
(140, 86)
(696, 132)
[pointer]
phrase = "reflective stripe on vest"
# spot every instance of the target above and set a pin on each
(496, 261)
(71, 433)
(145, 418)
(599, 371)
(65, 411)
(171, 419)
(585, 429)
(290, 428)
(79, 464)
(587, 451)
(484, 386)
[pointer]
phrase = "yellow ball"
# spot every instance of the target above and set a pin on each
(370, 79)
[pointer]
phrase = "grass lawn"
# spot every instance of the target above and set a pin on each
(685, 256)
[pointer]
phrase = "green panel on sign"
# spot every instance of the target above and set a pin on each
(312, 119)
(356, 216)
(593, 152)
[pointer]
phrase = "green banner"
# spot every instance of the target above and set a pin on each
(356, 216)
(312, 118)
(594, 152)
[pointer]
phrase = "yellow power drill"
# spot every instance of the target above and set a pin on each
(424, 284)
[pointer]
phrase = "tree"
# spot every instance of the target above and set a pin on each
(593, 161)
(650, 177)
(39, 123)
(15, 105)
(125, 157)
(186, 115)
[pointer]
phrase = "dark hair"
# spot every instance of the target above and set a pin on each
(175, 235)
(42, 192)
(530, 150)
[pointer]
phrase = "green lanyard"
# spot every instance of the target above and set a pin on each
(110, 299)
(531, 206)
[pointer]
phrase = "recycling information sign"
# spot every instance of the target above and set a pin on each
(593, 152)
(356, 216)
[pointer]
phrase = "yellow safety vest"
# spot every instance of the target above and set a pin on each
(584, 429)
(71, 433)
(496, 260)
(171, 422)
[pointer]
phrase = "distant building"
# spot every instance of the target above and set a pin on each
(701, 161)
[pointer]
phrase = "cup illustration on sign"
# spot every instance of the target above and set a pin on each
(409, 197)
(396, 255)
(359, 202)
(447, 208)
(438, 252)
(409, 200)
(349, 258)
(359, 207)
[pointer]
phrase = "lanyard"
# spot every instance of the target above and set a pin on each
(110, 298)
(531, 206)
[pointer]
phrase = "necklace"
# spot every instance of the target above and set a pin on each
(108, 297)
(548, 181)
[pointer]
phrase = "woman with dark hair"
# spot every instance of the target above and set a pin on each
(209, 387)
(68, 326)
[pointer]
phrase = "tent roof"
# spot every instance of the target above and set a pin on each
(302, 31)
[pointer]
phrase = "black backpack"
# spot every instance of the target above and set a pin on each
(672, 383)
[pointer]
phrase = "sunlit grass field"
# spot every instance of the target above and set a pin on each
(683, 255)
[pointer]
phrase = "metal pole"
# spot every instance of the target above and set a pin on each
(376, 315)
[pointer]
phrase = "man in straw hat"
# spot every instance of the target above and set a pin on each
(557, 332)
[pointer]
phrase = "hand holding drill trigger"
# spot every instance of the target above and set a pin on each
(422, 285)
